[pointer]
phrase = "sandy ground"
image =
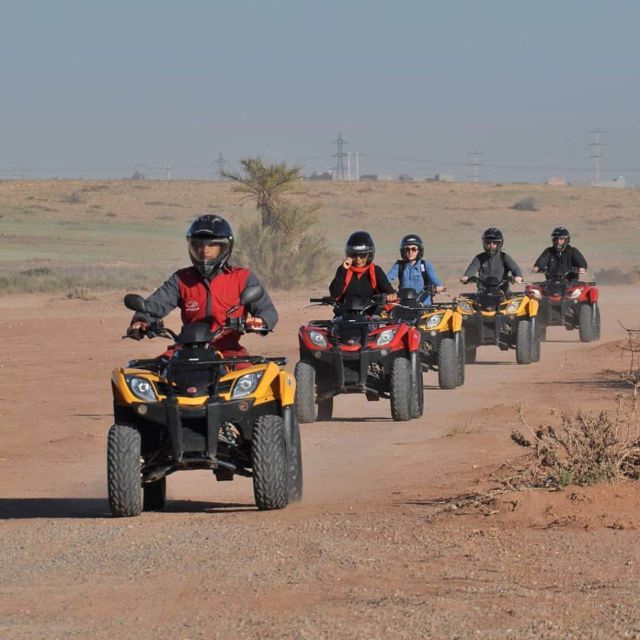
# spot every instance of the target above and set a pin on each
(369, 553)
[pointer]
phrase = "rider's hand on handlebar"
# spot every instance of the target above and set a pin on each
(256, 323)
(535, 269)
(582, 270)
(464, 279)
(137, 330)
(440, 289)
(518, 279)
(392, 297)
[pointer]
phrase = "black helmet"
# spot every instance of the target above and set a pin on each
(560, 232)
(212, 228)
(410, 241)
(492, 234)
(360, 243)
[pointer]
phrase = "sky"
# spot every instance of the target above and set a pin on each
(102, 89)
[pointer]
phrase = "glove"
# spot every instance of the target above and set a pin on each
(137, 330)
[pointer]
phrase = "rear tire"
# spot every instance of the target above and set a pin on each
(124, 478)
(294, 456)
(460, 357)
(470, 355)
(270, 464)
(535, 341)
(325, 409)
(417, 397)
(155, 495)
(305, 405)
(447, 364)
(596, 322)
(542, 332)
(585, 323)
(523, 342)
(401, 389)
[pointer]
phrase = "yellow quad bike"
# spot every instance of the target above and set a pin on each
(192, 408)
(508, 321)
(442, 341)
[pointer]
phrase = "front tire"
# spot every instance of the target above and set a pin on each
(596, 321)
(270, 464)
(417, 398)
(401, 389)
(447, 364)
(305, 404)
(524, 342)
(124, 478)
(585, 323)
(294, 455)
(460, 357)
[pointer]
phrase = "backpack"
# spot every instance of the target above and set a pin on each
(423, 268)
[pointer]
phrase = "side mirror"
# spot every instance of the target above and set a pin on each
(135, 302)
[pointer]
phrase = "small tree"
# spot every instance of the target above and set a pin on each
(266, 183)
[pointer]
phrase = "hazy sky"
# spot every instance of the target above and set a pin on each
(96, 89)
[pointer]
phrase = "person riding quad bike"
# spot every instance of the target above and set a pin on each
(561, 260)
(358, 276)
(209, 287)
(413, 271)
(493, 262)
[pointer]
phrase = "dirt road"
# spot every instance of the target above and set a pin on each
(365, 555)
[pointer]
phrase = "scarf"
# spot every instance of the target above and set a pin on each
(359, 271)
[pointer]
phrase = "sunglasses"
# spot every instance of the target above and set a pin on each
(358, 255)
(200, 242)
(411, 248)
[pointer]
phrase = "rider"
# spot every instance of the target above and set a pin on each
(493, 262)
(358, 275)
(205, 291)
(561, 259)
(413, 271)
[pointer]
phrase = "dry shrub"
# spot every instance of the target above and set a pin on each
(586, 449)
(528, 203)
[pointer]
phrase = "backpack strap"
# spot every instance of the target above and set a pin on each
(423, 270)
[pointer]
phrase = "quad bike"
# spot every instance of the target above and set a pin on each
(489, 316)
(358, 352)
(442, 346)
(566, 301)
(192, 408)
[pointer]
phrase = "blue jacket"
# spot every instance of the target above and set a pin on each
(412, 277)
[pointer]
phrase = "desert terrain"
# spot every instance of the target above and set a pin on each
(384, 543)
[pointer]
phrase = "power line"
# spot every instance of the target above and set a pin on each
(474, 164)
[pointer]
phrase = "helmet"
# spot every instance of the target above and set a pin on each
(209, 227)
(492, 234)
(409, 241)
(560, 232)
(360, 243)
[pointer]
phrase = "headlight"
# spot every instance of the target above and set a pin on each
(141, 388)
(385, 337)
(513, 306)
(536, 293)
(576, 293)
(465, 306)
(318, 338)
(245, 385)
(434, 320)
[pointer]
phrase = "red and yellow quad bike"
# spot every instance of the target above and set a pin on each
(358, 352)
(441, 334)
(491, 317)
(191, 408)
(566, 301)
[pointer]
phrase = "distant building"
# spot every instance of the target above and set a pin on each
(557, 181)
(441, 177)
(405, 177)
(616, 183)
(325, 175)
(369, 177)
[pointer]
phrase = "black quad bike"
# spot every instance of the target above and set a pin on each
(192, 408)
(358, 352)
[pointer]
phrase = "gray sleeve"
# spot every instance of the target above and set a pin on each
(512, 265)
(263, 307)
(164, 299)
(473, 268)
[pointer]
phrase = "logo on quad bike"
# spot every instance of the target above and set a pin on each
(192, 306)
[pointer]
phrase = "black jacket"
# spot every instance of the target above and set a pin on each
(497, 265)
(556, 265)
(359, 286)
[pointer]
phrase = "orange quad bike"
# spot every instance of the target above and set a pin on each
(192, 408)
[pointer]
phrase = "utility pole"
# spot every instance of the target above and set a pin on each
(168, 168)
(340, 142)
(597, 152)
(357, 165)
(475, 163)
(349, 165)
